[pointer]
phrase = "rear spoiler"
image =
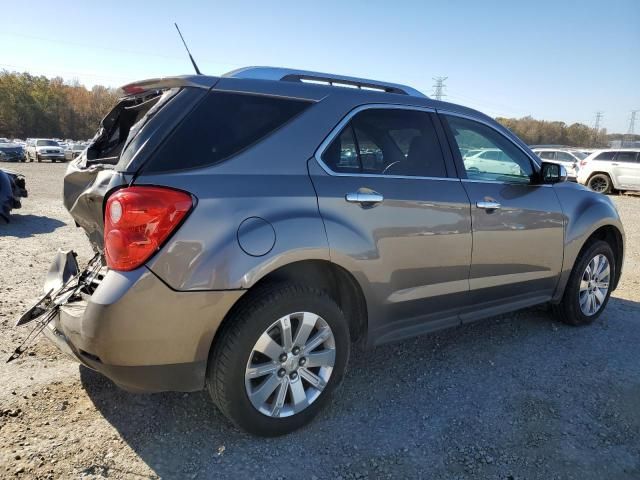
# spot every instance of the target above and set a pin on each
(198, 81)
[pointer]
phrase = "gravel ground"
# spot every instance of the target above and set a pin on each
(513, 397)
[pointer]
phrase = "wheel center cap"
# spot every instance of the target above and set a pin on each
(291, 363)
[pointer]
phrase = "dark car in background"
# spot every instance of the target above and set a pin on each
(11, 152)
(12, 190)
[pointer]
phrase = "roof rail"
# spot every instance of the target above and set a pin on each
(290, 75)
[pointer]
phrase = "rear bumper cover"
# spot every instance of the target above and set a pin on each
(182, 377)
(141, 334)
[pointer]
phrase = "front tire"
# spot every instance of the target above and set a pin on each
(278, 358)
(589, 287)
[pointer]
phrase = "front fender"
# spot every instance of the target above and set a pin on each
(585, 212)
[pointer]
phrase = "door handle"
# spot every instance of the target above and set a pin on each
(488, 205)
(614, 164)
(364, 197)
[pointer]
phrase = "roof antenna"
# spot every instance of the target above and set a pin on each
(193, 62)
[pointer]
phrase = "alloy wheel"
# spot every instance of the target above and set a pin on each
(598, 184)
(594, 285)
(290, 364)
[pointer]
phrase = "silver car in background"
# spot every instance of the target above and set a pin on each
(39, 149)
(250, 228)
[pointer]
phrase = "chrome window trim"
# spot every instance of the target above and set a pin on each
(488, 124)
(468, 180)
(347, 118)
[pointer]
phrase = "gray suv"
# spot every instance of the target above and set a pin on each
(251, 228)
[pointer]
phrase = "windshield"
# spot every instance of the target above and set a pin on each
(579, 155)
(77, 146)
(46, 143)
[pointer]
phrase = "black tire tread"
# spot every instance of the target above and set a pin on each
(227, 339)
(565, 311)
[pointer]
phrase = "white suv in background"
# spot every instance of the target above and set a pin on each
(567, 157)
(614, 169)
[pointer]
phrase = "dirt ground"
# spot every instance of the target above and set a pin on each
(515, 397)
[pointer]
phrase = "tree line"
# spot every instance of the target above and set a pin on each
(542, 132)
(36, 106)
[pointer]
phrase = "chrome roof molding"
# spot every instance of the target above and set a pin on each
(291, 75)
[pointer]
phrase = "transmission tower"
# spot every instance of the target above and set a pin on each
(438, 87)
(596, 126)
(632, 126)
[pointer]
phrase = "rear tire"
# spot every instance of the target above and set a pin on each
(263, 318)
(573, 309)
(600, 182)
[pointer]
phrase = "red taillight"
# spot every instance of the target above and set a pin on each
(133, 89)
(138, 220)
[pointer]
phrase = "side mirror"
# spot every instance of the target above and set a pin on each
(553, 173)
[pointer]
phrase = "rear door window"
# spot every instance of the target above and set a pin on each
(388, 141)
(628, 157)
(547, 155)
(222, 125)
(605, 156)
(342, 154)
(565, 157)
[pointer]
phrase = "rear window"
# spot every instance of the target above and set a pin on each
(222, 125)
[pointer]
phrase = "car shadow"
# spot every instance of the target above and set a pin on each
(24, 226)
(461, 386)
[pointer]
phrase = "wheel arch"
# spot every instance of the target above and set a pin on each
(602, 172)
(587, 216)
(333, 279)
(613, 236)
(612, 233)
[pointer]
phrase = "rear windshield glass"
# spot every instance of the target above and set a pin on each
(220, 126)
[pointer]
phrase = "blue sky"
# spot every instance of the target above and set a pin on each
(553, 60)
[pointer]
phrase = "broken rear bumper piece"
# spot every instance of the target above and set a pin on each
(138, 332)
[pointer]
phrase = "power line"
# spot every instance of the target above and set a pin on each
(632, 127)
(596, 125)
(438, 87)
(632, 122)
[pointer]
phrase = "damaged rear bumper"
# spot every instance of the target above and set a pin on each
(141, 334)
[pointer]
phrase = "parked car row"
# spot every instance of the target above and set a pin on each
(39, 149)
(602, 170)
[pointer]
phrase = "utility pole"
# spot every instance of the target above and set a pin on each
(596, 126)
(438, 87)
(632, 126)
